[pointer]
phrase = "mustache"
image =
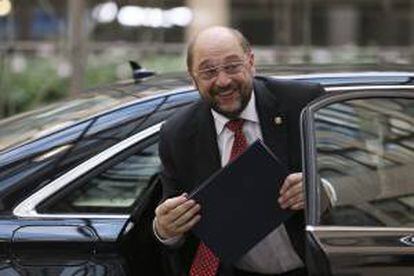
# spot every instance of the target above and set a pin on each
(217, 90)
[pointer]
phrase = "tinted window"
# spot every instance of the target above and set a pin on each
(365, 150)
(112, 190)
(30, 125)
(39, 162)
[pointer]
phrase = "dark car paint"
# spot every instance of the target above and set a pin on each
(92, 246)
(26, 244)
(352, 252)
(24, 167)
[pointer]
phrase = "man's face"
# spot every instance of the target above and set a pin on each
(223, 73)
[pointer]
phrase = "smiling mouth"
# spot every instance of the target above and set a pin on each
(227, 97)
(226, 93)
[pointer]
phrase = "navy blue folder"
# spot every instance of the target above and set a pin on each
(239, 204)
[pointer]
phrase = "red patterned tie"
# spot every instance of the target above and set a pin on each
(205, 263)
(240, 142)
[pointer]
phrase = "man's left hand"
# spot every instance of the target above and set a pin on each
(291, 193)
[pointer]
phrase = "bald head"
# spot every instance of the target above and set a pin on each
(218, 34)
(221, 65)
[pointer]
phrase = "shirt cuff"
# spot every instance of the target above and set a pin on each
(172, 242)
(330, 191)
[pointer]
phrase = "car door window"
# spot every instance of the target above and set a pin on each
(365, 152)
(113, 189)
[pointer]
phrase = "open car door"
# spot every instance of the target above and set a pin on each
(359, 147)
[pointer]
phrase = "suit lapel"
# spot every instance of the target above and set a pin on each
(273, 121)
(206, 154)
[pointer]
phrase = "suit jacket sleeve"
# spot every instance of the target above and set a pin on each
(168, 171)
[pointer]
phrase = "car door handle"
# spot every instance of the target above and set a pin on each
(54, 234)
(52, 245)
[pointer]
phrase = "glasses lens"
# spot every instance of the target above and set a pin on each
(208, 73)
(233, 68)
(230, 68)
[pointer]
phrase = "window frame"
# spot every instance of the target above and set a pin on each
(83, 180)
(27, 208)
(308, 140)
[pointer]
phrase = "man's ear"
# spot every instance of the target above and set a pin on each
(190, 74)
(251, 62)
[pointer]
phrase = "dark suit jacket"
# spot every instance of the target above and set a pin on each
(189, 152)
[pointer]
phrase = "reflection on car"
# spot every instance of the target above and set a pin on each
(375, 160)
(361, 143)
(79, 179)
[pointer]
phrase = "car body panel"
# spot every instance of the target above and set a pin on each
(68, 147)
(374, 246)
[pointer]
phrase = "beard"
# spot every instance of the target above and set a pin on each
(238, 104)
(242, 90)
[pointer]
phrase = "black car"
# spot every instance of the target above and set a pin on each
(79, 179)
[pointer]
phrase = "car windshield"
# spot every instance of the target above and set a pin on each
(39, 122)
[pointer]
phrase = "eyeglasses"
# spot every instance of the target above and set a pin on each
(229, 68)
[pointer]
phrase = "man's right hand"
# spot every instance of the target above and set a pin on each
(175, 216)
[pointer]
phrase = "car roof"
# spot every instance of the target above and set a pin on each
(343, 75)
(58, 137)
(28, 126)
(294, 69)
(31, 125)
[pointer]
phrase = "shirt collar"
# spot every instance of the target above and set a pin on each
(248, 114)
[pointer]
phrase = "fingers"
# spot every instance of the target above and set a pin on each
(295, 202)
(175, 216)
(187, 213)
(290, 180)
(176, 211)
(170, 204)
(291, 192)
(298, 206)
(188, 225)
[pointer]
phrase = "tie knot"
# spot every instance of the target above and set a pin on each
(235, 125)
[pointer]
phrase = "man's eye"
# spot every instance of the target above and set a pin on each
(210, 71)
(231, 66)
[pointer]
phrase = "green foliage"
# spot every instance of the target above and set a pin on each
(39, 82)
(164, 63)
(36, 83)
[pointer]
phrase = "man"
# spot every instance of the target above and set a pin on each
(198, 141)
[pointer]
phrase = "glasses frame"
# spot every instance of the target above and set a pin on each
(221, 67)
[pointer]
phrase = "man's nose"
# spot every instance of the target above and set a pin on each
(222, 79)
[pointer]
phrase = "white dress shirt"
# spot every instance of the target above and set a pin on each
(274, 254)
